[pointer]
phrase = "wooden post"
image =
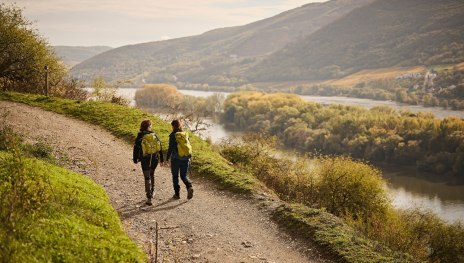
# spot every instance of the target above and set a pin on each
(46, 80)
(156, 247)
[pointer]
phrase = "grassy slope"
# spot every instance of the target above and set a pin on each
(77, 223)
(365, 75)
(352, 79)
(123, 122)
(325, 229)
(374, 74)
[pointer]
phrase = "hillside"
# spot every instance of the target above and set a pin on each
(249, 234)
(214, 56)
(72, 56)
(382, 34)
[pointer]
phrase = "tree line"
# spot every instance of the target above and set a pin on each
(380, 134)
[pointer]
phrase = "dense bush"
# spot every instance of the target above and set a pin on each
(339, 184)
(158, 96)
(352, 190)
(379, 134)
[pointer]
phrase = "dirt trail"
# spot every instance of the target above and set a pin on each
(214, 226)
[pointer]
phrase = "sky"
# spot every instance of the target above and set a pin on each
(116, 23)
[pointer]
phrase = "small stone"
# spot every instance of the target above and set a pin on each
(196, 256)
(247, 244)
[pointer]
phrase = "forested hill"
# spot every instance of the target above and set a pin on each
(207, 57)
(380, 34)
(72, 55)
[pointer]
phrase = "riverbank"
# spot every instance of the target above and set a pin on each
(366, 103)
(403, 193)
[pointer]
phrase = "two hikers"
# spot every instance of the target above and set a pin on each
(148, 150)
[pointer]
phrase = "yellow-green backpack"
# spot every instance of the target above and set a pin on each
(184, 148)
(150, 144)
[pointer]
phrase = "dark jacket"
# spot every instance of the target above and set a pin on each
(172, 150)
(148, 160)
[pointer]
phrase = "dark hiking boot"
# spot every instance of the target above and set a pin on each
(148, 202)
(175, 196)
(190, 193)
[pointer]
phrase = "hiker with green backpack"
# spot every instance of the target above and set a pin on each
(180, 152)
(148, 150)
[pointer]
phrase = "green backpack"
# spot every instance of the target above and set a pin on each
(150, 144)
(184, 148)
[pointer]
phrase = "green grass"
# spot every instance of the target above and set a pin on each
(328, 231)
(124, 123)
(334, 236)
(75, 221)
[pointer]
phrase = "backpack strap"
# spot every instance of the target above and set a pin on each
(161, 144)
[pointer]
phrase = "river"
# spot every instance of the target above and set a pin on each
(407, 190)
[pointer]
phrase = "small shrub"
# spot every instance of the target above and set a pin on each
(40, 149)
(349, 187)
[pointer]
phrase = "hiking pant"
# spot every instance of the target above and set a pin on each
(181, 166)
(149, 176)
(149, 182)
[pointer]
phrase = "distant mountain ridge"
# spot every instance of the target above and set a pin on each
(73, 55)
(317, 41)
(381, 34)
(206, 57)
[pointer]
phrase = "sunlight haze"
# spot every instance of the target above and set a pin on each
(117, 22)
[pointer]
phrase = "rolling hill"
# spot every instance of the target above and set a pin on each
(318, 41)
(72, 56)
(218, 56)
(381, 34)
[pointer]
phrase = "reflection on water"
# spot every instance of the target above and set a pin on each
(410, 192)
(216, 132)
(406, 190)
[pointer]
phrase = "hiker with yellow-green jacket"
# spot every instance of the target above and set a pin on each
(180, 152)
(148, 150)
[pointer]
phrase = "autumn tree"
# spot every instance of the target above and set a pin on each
(24, 54)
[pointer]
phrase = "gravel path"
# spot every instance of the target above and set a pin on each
(214, 226)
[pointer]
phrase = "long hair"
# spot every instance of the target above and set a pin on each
(145, 125)
(177, 125)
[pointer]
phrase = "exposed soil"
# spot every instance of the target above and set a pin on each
(214, 226)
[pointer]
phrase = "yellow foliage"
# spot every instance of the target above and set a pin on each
(158, 96)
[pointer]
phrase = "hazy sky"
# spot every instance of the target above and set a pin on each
(121, 22)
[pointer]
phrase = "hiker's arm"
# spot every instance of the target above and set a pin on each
(161, 153)
(172, 142)
(136, 150)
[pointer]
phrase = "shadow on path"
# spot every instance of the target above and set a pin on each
(130, 210)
